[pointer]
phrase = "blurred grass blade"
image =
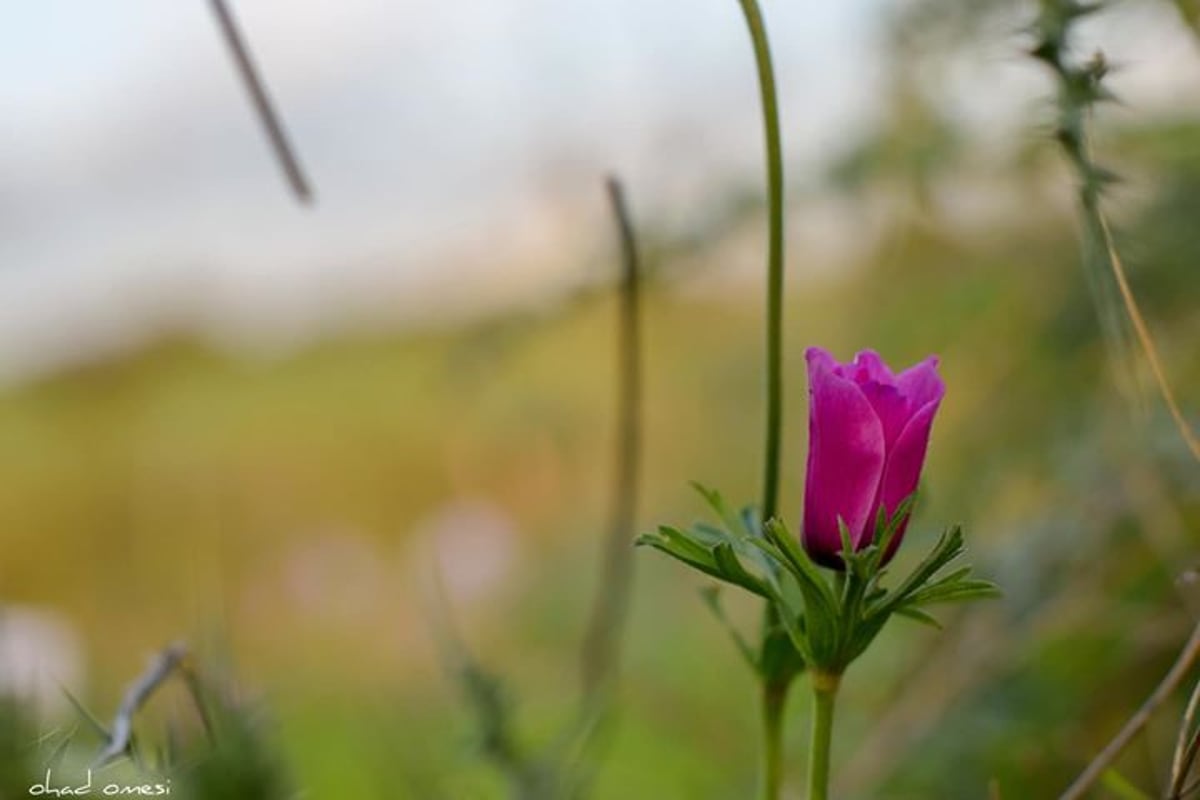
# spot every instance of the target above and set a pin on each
(1115, 326)
(1120, 786)
(87, 716)
(712, 600)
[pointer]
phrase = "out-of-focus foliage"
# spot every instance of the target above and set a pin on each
(295, 502)
(300, 483)
(218, 750)
(239, 762)
(937, 25)
(18, 745)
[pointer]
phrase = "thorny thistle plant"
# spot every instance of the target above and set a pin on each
(223, 747)
(1080, 89)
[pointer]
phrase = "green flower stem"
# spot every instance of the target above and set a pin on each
(825, 687)
(770, 107)
(774, 700)
(775, 687)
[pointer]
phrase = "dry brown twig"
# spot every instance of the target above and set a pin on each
(1170, 682)
(1186, 746)
(562, 768)
(1149, 349)
(272, 125)
(121, 735)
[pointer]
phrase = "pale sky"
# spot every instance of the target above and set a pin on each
(136, 187)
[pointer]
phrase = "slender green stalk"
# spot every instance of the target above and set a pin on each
(770, 107)
(825, 688)
(775, 687)
(601, 646)
(774, 701)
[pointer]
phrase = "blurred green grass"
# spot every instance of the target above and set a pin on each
(275, 505)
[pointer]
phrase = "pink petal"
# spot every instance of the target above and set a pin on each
(869, 366)
(845, 459)
(921, 384)
(819, 357)
(904, 462)
(891, 406)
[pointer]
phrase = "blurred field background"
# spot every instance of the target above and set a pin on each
(266, 459)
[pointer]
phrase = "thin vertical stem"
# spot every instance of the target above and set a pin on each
(280, 145)
(824, 693)
(774, 159)
(775, 687)
(601, 645)
(774, 702)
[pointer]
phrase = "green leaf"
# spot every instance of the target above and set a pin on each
(717, 503)
(881, 522)
(752, 521)
(952, 577)
(948, 548)
(884, 536)
(803, 567)
(678, 544)
(957, 592)
(863, 563)
(862, 634)
(847, 540)
(919, 616)
(709, 535)
(733, 568)
(752, 563)
(697, 550)
(780, 660)
(819, 606)
(797, 631)
(874, 594)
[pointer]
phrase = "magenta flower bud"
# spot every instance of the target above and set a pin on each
(868, 431)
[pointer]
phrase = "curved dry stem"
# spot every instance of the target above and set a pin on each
(1170, 682)
(162, 667)
(1186, 746)
(1145, 339)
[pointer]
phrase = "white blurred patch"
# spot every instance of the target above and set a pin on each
(40, 654)
(474, 545)
(337, 576)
